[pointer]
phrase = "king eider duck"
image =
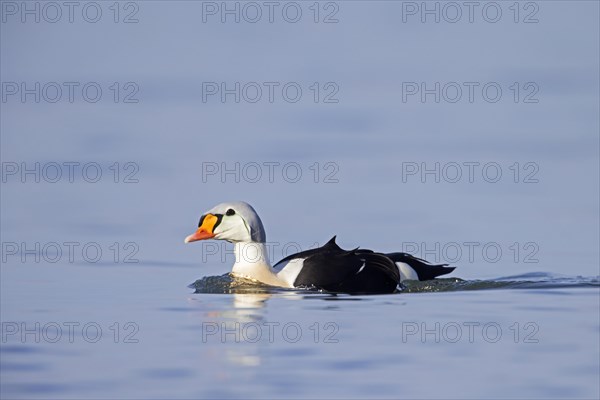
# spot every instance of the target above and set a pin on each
(327, 268)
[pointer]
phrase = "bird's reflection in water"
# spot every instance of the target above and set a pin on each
(245, 322)
(234, 326)
(244, 305)
(250, 300)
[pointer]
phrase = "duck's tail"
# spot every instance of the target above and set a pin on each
(416, 268)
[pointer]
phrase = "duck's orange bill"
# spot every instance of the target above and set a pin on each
(205, 231)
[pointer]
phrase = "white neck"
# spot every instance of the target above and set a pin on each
(252, 262)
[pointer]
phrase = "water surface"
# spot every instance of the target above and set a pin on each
(518, 318)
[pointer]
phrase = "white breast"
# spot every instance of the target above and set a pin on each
(289, 270)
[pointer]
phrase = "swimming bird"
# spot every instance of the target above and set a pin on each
(328, 267)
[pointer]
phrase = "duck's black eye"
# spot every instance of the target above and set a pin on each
(230, 212)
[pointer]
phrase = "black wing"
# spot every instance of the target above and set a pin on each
(346, 271)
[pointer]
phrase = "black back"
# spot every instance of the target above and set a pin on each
(357, 271)
(346, 271)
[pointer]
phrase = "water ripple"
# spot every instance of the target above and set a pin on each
(535, 280)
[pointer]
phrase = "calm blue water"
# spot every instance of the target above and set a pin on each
(376, 138)
(503, 342)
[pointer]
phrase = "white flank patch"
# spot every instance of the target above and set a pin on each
(406, 272)
(289, 270)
